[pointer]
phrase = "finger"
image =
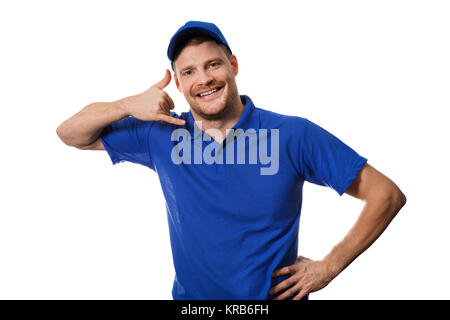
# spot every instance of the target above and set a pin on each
(303, 292)
(288, 293)
(282, 271)
(170, 119)
(165, 108)
(289, 282)
(169, 101)
(165, 81)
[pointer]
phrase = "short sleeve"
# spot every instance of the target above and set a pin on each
(326, 160)
(128, 140)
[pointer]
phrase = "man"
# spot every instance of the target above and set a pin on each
(233, 213)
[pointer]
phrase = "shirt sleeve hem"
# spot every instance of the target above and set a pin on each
(114, 160)
(356, 167)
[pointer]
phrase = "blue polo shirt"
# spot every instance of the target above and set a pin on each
(230, 225)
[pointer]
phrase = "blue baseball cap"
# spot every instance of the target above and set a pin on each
(194, 28)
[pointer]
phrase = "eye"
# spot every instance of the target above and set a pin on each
(187, 73)
(214, 64)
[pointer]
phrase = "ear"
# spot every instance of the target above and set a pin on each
(234, 64)
(177, 82)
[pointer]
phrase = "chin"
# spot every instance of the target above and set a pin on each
(209, 110)
(212, 113)
(214, 108)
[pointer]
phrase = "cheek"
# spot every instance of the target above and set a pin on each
(229, 76)
(185, 88)
(231, 81)
(187, 94)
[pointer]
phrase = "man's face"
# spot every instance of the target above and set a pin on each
(206, 77)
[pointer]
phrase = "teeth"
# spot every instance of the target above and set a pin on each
(207, 93)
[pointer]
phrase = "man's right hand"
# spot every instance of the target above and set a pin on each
(154, 104)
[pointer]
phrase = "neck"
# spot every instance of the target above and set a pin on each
(217, 128)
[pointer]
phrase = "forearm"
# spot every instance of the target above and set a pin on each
(383, 200)
(85, 127)
(373, 220)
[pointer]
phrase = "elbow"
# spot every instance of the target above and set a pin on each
(390, 197)
(397, 199)
(400, 199)
(60, 132)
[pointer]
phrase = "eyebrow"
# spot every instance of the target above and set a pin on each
(207, 62)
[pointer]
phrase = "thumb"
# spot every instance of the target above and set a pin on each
(165, 81)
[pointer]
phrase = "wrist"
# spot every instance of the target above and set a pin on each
(122, 106)
(332, 267)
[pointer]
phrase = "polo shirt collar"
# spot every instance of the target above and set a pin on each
(249, 119)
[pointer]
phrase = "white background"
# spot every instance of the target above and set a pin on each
(374, 73)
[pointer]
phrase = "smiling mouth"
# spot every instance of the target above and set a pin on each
(208, 93)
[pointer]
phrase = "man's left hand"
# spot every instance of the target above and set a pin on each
(306, 276)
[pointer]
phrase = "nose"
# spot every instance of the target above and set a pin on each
(204, 78)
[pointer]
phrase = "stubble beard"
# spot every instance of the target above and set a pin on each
(229, 96)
